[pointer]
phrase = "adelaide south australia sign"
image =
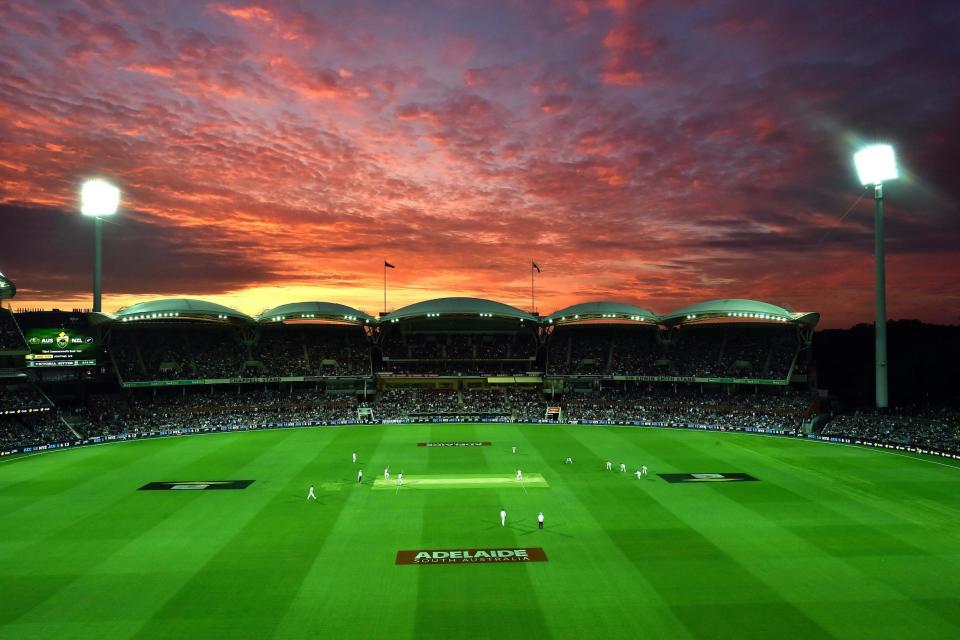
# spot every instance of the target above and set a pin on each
(470, 556)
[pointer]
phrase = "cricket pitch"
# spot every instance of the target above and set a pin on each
(474, 481)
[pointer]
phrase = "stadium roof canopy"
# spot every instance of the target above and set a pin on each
(330, 311)
(7, 288)
(463, 307)
(737, 310)
(602, 311)
(180, 309)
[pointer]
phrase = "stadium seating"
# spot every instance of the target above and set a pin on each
(28, 418)
(937, 429)
(717, 351)
(11, 338)
(459, 354)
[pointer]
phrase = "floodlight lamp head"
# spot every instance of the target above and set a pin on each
(99, 198)
(875, 164)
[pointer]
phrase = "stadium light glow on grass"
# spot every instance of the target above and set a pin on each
(98, 198)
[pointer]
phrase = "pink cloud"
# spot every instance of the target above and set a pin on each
(289, 148)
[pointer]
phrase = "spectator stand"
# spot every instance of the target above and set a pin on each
(177, 339)
(601, 338)
(13, 346)
(458, 338)
(188, 342)
(739, 341)
(319, 339)
(927, 429)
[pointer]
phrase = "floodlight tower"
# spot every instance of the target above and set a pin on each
(98, 198)
(875, 165)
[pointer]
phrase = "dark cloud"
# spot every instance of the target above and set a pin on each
(51, 252)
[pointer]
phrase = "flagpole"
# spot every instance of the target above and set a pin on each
(533, 297)
(384, 287)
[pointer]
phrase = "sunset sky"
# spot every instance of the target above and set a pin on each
(656, 152)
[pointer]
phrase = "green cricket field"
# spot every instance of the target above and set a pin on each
(812, 540)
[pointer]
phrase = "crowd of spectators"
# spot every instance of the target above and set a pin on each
(694, 352)
(33, 429)
(937, 429)
(146, 413)
(28, 418)
(344, 355)
(394, 404)
(282, 352)
(774, 411)
(526, 404)
(151, 354)
(215, 354)
(509, 403)
(478, 368)
(580, 351)
(11, 338)
(771, 410)
(172, 353)
(636, 351)
(164, 354)
(460, 346)
(168, 353)
(511, 353)
(21, 397)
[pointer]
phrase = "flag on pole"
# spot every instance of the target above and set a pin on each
(534, 264)
(387, 265)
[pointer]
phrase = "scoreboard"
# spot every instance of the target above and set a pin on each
(60, 347)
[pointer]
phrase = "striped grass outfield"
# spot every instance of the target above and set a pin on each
(829, 542)
(462, 481)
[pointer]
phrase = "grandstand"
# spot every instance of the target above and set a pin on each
(458, 337)
(182, 339)
(160, 364)
(603, 339)
(11, 338)
(12, 341)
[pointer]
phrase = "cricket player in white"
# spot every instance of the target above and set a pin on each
(386, 473)
(311, 495)
(360, 475)
(400, 479)
(354, 456)
(569, 460)
(540, 520)
(623, 468)
(503, 517)
(639, 474)
(514, 449)
(519, 474)
(609, 466)
(643, 469)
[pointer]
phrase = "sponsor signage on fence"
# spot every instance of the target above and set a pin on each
(204, 381)
(702, 380)
(470, 556)
(453, 444)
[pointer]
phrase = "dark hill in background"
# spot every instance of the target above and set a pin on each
(924, 364)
